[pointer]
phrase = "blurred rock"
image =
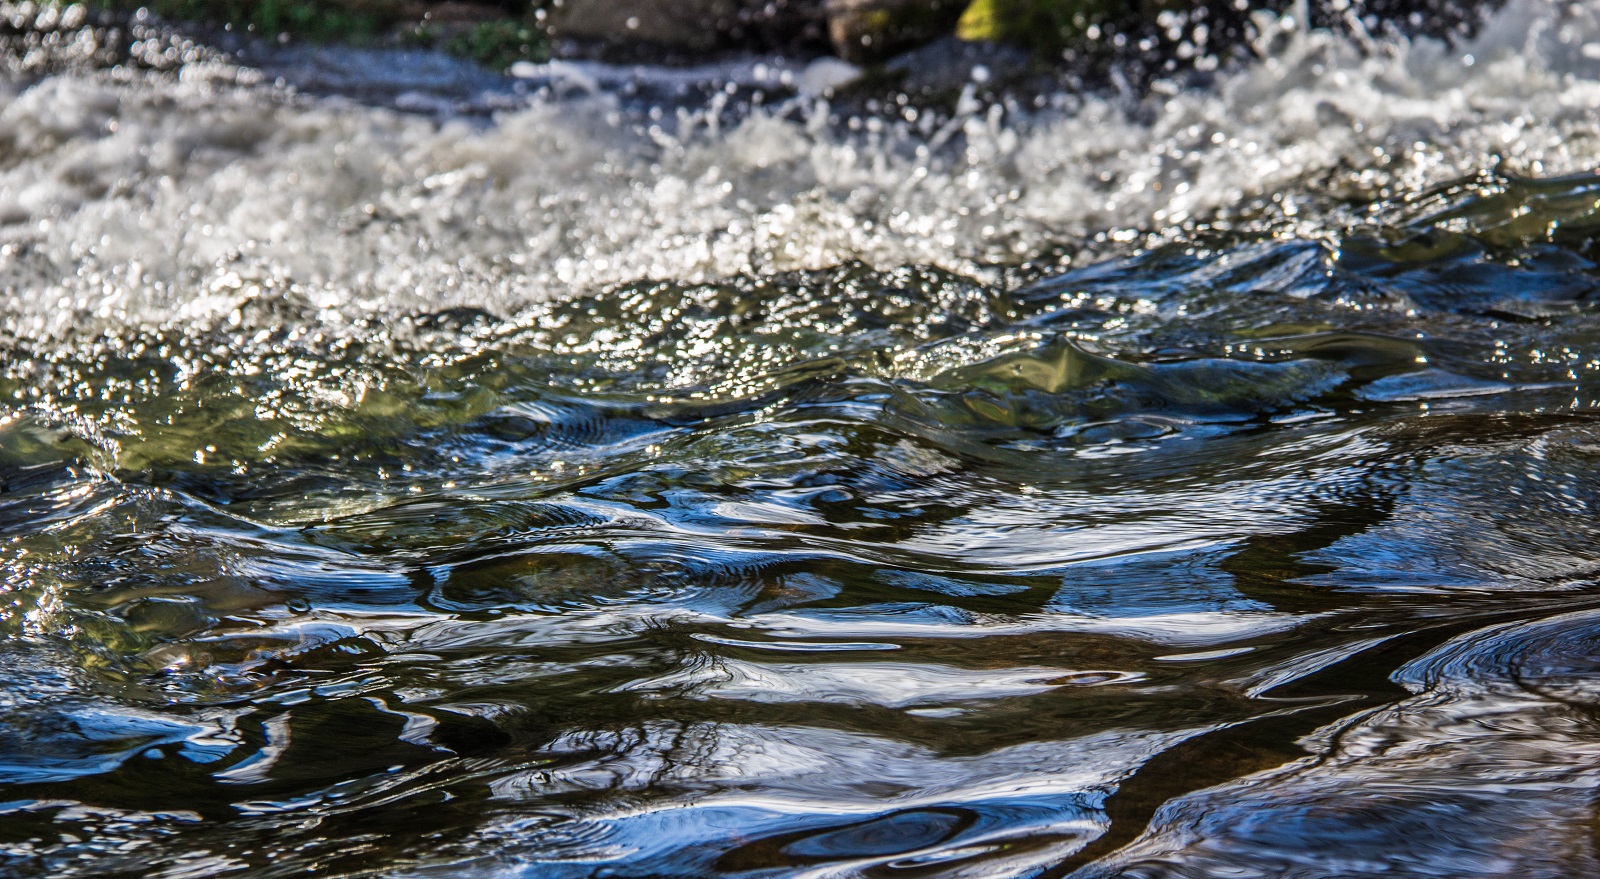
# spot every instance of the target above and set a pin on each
(691, 25)
(785, 26)
(948, 64)
(864, 31)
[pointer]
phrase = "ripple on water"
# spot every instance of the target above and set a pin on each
(575, 494)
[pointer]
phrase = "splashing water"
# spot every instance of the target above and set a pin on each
(411, 472)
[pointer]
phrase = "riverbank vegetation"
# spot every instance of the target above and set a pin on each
(498, 33)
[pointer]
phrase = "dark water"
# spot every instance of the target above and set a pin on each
(1233, 553)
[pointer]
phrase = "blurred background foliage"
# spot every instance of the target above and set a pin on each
(498, 33)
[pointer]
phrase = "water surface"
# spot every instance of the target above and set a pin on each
(1200, 487)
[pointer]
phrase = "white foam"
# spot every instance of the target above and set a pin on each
(142, 199)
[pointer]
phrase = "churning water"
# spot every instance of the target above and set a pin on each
(405, 472)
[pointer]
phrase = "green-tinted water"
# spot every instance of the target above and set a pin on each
(848, 570)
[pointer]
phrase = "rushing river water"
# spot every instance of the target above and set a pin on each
(445, 476)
